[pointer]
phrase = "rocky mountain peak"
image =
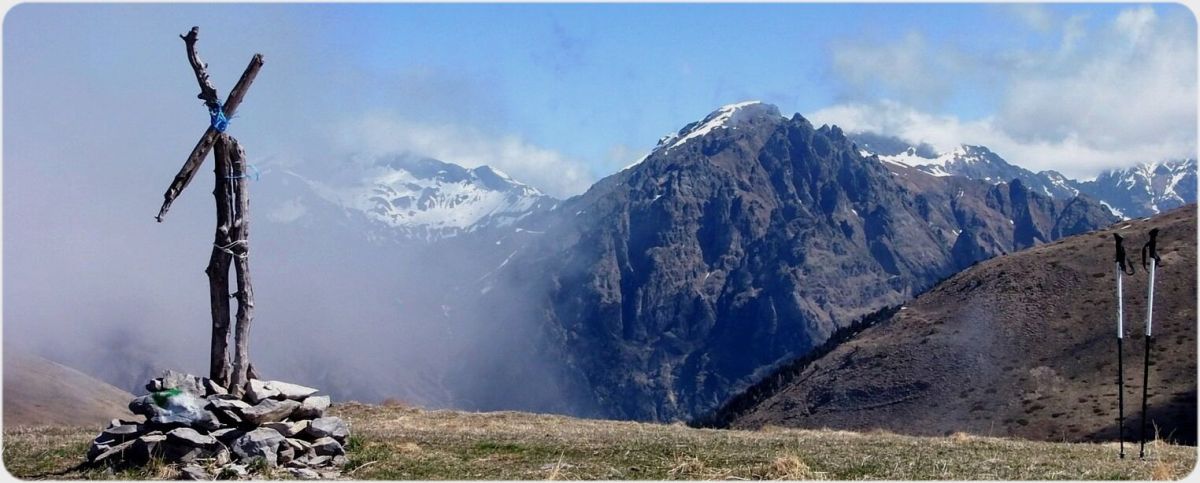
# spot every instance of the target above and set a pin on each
(745, 239)
(731, 116)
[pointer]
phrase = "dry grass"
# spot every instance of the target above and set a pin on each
(405, 443)
(788, 467)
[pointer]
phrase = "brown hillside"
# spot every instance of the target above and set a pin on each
(1021, 345)
(38, 391)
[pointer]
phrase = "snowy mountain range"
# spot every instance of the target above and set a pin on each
(1147, 188)
(416, 198)
(1135, 192)
(426, 199)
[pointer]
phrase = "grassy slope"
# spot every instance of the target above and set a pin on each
(1020, 345)
(38, 391)
(398, 443)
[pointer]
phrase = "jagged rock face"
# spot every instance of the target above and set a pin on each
(725, 252)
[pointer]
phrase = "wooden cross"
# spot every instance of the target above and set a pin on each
(233, 222)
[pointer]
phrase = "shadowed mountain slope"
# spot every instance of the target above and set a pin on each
(1020, 345)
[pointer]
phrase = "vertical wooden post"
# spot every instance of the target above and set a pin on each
(245, 293)
(218, 265)
(233, 207)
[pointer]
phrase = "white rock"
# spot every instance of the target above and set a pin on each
(291, 391)
(257, 390)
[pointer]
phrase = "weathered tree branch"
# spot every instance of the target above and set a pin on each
(218, 265)
(243, 84)
(245, 293)
(196, 158)
(208, 92)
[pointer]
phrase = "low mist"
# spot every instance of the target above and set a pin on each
(341, 303)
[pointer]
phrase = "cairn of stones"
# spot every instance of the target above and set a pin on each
(196, 425)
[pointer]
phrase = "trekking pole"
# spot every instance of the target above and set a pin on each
(1120, 266)
(1151, 247)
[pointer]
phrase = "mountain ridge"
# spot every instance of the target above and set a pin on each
(1138, 191)
(1026, 325)
(671, 281)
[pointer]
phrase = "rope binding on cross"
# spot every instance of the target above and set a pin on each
(216, 115)
(254, 173)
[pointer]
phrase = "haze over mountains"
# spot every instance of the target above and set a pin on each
(740, 242)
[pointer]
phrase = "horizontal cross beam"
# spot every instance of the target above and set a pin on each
(209, 94)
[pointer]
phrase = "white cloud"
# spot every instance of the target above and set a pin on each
(902, 68)
(1070, 155)
(545, 169)
(1110, 96)
(288, 211)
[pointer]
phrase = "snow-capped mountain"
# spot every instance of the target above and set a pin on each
(1139, 191)
(1145, 189)
(743, 239)
(731, 116)
(427, 199)
(977, 162)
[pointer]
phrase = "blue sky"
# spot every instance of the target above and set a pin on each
(560, 95)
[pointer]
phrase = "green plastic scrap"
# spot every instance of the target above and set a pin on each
(161, 397)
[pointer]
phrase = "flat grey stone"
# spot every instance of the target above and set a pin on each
(332, 426)
(269, 411)
(260, 443)
(300, 445)
(291, 391)
(189, 437)
(219, 402)
(227, 435)
(185, 445)
(112, 451)
(327, 447)
(147, 447)
(312, 407)
(287, 428)
(257, 390)
(212, 388)
(228, 411)
(123, 432)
